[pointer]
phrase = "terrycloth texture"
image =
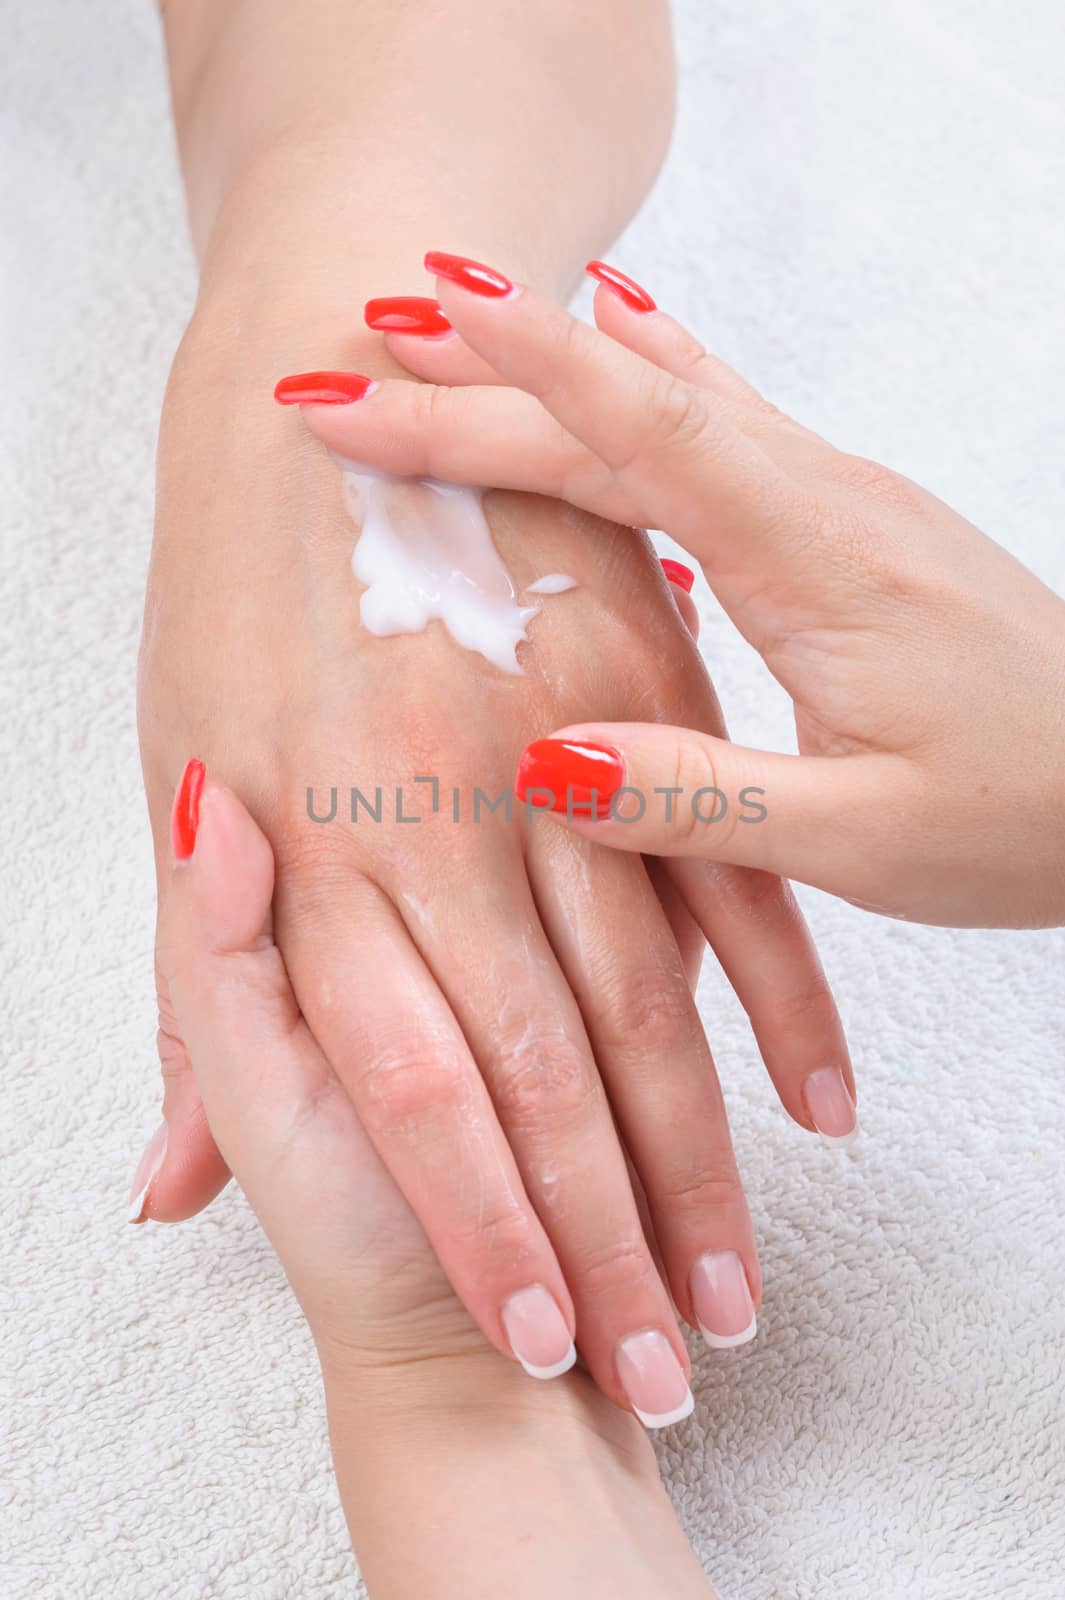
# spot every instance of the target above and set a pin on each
(863, 212)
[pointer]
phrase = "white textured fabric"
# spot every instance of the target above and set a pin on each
(863, 212)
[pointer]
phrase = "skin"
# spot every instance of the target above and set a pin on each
(521, 1488)
(508, 1046)
(902, 633)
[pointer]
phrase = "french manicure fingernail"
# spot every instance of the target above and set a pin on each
(407, 313)
(627, 289)
(147, 1169)
(185, 815)
(467, 274)
(569, 775)
(653, 1379)
(678, 573)
(538, 1333)
(722, 1300)
(831, 1109)
(323, 388)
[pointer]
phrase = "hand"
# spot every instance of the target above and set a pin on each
(926, 666)
(477, 990)
(520, 1488)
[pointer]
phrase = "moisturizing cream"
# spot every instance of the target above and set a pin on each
(425, 551)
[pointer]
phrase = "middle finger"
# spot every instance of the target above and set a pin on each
(658, 1070)
(490, 956)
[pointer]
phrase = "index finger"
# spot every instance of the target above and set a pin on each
(688, 456)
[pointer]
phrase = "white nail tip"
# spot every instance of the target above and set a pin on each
(839, 1141)
(729, 1341)
(156, 1150)
(568, 1361)
(666, 1419)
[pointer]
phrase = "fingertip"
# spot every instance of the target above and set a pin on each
(678, 573)
(226, 876)
(623, 289)
(309, 389)
(191, 1176)
(417, 316)
(185, 811)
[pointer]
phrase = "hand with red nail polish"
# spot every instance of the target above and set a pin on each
(439, 965)
(899, 630)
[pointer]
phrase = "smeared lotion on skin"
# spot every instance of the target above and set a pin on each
(425, 551)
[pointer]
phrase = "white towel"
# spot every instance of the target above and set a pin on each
(862, 211)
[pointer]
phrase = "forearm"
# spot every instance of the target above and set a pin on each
(325, 147)
(459, 1479)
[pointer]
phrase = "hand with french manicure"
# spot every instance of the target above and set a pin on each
(926, 665)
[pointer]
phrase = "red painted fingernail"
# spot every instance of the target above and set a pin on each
(185, 817)
(678, 573)
(627, 289)
(570, 776)
(406, 313)
(471, 275)
(323, 388)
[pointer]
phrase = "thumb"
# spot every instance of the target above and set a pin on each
(256, 1064)
(667, 791)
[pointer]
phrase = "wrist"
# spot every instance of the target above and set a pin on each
(465, 1477)
(476, 1394)
(302, 230)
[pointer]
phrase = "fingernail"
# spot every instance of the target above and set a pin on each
(653, 1379)
(830, 1106)
(406, 313)
(568, 776)
(538, 1333)
(185, 816)
(471, 275)
(627, 289)
(722, 1299)
(147, 1167)
(323, 388)
(679, 574)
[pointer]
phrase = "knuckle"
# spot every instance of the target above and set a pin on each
(572, 340)
(620, 1267)
(679, 413)
(429, 406)
(305, 846)
(759, 897)
(705, 814)
(810, 1003)
(502, 1234)
(873, 481)
(649, 1010)
(702, 368)
(436, 414)
(400, 1084)
(545, 1082)
(568, 339)
(698, 1192)
(174, 1063)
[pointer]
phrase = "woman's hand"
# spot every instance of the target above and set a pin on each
(520, 1488)
(492, 996)
(927, 667)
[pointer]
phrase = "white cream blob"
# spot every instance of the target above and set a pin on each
(425, 552)
(554, 583)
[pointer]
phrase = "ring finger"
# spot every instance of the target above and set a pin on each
(659, 1073)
